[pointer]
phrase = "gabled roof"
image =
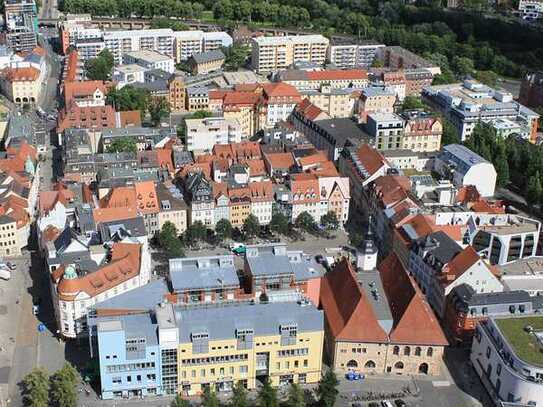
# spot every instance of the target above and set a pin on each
(337, 74)
(146, 197)
(348, 313)
(414, 321)
(462, 262)
(280, 160)
(280, 89)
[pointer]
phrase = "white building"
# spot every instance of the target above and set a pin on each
(466, 104)
(188, 43)
(464, 167)
(506, 354)
(216, 40)
(530, 9)
(270, 54)
(89, 48)
(203, 134)
(353, 55)
(128, 74)
(150, 60)
(121, 42)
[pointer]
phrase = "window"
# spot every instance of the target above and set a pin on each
(417, 351)
(129, 379)
(396, 350)
(488, 352)
(430, 352)
(499, 369)
(407, 351)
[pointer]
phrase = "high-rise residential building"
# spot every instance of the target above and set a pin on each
(21, 19)
(203, 134)
(270, 54)
(216, 40)
(121, 42)
(359, 55)
(188, 43)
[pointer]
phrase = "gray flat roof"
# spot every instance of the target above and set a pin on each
(198, 273)
(370, 282)
(134, 326)
(142, 298)
(264, 319)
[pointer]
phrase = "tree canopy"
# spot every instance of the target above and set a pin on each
(327, 390)
(101, 67)
(36, 388)
(123, 145)
(128, 98)
(63, 386)
(224, 229)
(251, 226)
(279, 223)
(306, 222)
(158, 108)
(169, 240)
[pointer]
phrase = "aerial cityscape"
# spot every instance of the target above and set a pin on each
(285, 203)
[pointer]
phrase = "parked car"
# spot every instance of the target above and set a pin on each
(386, 403)
(11, 266)
(400, 403)
(319, 258)
(35, 309)
(373, 404)
(5, 274)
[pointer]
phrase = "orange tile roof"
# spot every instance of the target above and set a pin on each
(82, 88)
(256, 167)
(305, 187)
(21, 74)
(414, 321)
(71, 66)
(50, 233)
(119, 197)
(337, 74)
(16, 158)
(204, 168)
(115, 213)
(460, 264)
(146, 198)
(309, 110)
(280, 160)
(326, 169)
(371, 159)
(484, 206)
(124, 265)
(347, 311)
(240, 98)
(130, 118)
(261, 191)
(280, 89)
(392, 188)
(164, 157)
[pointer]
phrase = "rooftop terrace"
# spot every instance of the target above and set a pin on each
(525, 345)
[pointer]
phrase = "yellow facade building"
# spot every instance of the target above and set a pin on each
(219, 346)
(21, 85)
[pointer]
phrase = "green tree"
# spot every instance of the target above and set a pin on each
(224, 229)
(279, 223)
(412, 103)
(128, 98)
(489, 78)
(450, 134)
(502, 167)
(122, 145)
(534, 190)
(463, 66)
(330, 220)
(100, 68)
(239, 396)
(327, 390)
(179, 401)
(169, 23)
(209, 398)
(306, 222)
(295, 396)
(200, 114)
(251, 226)
(169, 241)
(267, 396)
(36, 388)
(235, 56)
(195, 232)
(158, 109)
(63, 386)
(356, 239)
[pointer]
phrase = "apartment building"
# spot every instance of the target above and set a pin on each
(205, 62)
(374, 99)
(337, 103)
(276, 104)
(21, 21)
(332, 78)
(197, 98)
(346, 56)
(150, 59)
(120, 42)
(203, 134)
(530, 9)
(386, 130)
(89, 48)
(506, 356)
(466, 104)
(215, 40)
(422, 132)
(400, 58)
(188, 43)
(270, 54)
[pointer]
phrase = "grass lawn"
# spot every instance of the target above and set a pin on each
(525, 345)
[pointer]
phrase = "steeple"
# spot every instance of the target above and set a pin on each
(366, 258)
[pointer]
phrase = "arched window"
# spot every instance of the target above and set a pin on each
(407, 351)
(417, 351)
(430, 351)
(370, 364)
(396, 350)
(352, 363)
(423, 368)
(398, 365)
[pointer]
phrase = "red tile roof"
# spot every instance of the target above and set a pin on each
(82, 88)
(371, 159)
(116, 213)
(146, 197)
(414, 321)
(280, 89)
(72, 66)
(21, 74)
(348, 314)
(459, 265)
(280, 160)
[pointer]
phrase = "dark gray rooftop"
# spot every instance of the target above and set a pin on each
(468, 295)
(274, 260)
(197, 273)
(142, 298)
(134, 227)
(264, 319)
(209, 56)
(441, 246)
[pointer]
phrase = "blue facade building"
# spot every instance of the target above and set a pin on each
(129, 356)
